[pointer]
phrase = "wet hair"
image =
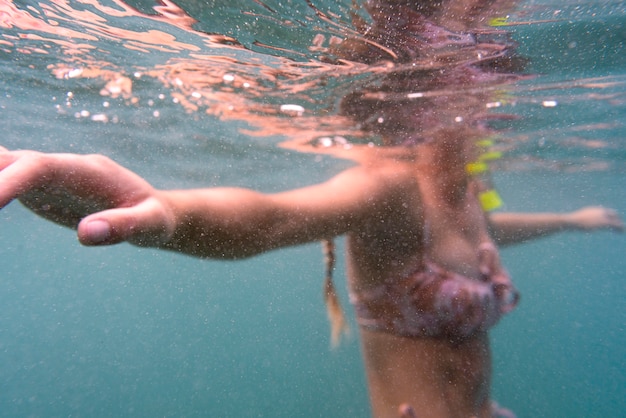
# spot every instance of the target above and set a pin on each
(333, 306)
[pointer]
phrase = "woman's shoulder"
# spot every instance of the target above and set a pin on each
(382, 180)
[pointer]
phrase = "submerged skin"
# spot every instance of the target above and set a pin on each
(381, 205)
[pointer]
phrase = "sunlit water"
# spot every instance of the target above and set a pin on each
(180, 96)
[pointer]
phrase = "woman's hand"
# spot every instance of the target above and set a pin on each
(595, 217)
(105, 202)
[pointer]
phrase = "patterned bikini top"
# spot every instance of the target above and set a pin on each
(431, 301)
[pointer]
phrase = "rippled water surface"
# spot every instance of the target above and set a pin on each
(198, 93)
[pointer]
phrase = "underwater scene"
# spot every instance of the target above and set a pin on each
(274, 95)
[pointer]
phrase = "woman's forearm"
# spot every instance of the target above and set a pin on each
(235, 223)
(511, 228)
(224, 223)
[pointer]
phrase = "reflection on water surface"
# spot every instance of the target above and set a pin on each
(282, 68)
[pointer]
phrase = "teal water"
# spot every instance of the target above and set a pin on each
(123, 331)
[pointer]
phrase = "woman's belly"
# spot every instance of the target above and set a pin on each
(437, 378)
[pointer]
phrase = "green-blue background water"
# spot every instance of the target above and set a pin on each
(123, 331)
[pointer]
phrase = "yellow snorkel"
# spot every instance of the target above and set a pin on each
(488, 197)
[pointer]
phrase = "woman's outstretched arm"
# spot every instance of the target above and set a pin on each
(108, 204)
(235, 222)
(513, 228)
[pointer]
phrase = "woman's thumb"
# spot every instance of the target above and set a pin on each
(143, 224)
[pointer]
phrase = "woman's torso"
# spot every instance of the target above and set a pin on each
(441, 376)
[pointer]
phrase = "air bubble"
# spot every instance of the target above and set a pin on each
(100, 117)
(292, 109)
(74, 72)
